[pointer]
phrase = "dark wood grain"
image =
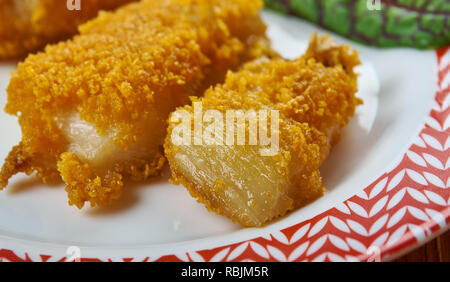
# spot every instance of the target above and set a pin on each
(437, 250)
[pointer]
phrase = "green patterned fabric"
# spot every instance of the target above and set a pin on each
(411, 23)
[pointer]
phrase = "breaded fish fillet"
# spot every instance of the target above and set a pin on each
(311, 98)
(95, 108)
(28, 25)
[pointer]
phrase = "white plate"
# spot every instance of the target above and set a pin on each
(156, 218)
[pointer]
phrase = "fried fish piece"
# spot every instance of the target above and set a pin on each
(310, 99)
(95, 108)
(28, 25)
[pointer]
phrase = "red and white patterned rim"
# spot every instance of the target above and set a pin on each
(402, 209)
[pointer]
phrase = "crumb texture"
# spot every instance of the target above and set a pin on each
(125, 73)
(315, 98)
(28, 25)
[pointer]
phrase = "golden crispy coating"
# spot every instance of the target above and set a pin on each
(95, 107)
(314, 96)
(28, 25)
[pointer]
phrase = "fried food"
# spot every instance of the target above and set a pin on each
(28, 25)
(312, 97)
(94, 109)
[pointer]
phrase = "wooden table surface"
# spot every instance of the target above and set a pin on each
(437, 250)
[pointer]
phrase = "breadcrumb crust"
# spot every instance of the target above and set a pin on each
(315, 96)
(144, 59)
(28, 25)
